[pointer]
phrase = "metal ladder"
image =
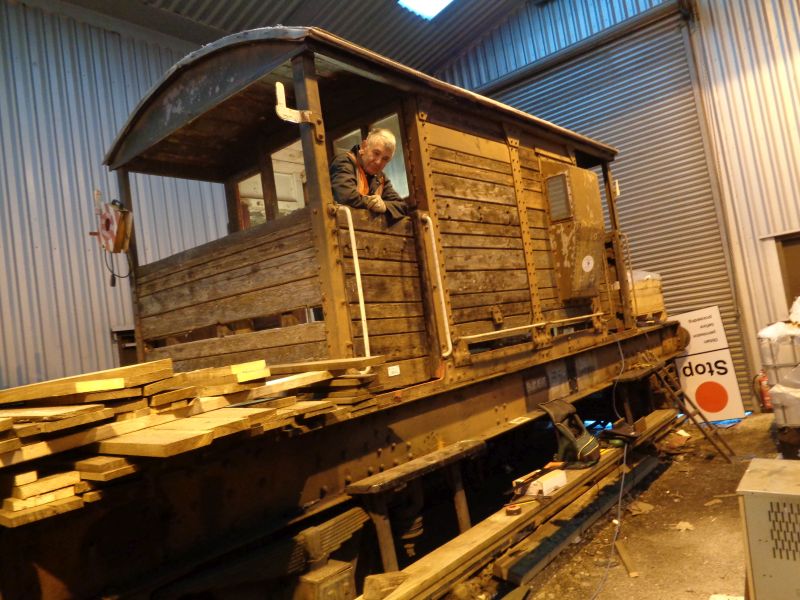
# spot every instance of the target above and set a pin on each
(666, 380)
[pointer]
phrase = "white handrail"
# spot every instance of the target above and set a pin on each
(440, 288)
(500, 333)
(361, 309)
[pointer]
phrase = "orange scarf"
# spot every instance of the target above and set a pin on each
(363, 181)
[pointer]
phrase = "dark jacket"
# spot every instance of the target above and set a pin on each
(344, 182)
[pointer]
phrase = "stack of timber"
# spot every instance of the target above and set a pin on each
(67, 442)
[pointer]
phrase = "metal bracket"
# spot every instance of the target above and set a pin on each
(292, 115)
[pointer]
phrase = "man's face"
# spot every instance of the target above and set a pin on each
(374, 155)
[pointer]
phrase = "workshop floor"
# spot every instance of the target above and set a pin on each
(687, 545)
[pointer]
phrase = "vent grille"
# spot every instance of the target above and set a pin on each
(558, 196)
(784, 521)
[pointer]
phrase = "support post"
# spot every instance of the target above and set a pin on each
(323, 211)
(619, 256)
(125, 196)
(459, 496)
(379, 513)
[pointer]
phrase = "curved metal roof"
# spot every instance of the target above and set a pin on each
(284, 43)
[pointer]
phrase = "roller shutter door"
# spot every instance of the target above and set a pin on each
(636, 93)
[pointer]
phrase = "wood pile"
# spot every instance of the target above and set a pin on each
(64, 442)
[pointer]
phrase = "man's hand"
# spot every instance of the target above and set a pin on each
(376, 204)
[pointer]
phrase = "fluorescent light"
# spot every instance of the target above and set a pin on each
(426, 9)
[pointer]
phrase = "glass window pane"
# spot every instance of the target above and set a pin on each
(290, 178)
(251, 196)
(346, 142)
(396, 169)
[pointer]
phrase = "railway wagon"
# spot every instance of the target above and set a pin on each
(505, 287)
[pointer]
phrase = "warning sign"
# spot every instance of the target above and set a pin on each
(706, 369)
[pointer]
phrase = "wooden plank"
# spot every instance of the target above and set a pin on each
(440, 154)
(466, 171)
(290, 382)
(44, 427)
(79, 438)
(9, 445)
(446, 137)
(5, 423)
(110, 474)
(478, 313)
(46, 389)
(251, 415)
(447, 186)
(281, 298)
(390, 326)
(473, 259)
(465, 240)
(266, 274)
(389, 310)
(385, 289)
(9, 480)
(303, 351)
(257, 340)
(47, 413)
(480, 229)
(486, 281)
(297, 239)
(217, 426)
(384, 268)
(105, 397)
(406, 372)
(398, 347)
(156, 443)
(16, 504)
(29, 515)
(370, 222)
(489, 299)
(171, 396)
(45, 484)
(473, 211)
(231, 245)
(372, 246)
(334, 365)
(100, 464)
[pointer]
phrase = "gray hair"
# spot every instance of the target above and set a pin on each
(386, 136)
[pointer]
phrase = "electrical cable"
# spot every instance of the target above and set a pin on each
(616, 530)
(110, 267)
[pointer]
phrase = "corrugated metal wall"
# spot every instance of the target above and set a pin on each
(749, 54)
(637, 94)
(535, 31)
(66, 87)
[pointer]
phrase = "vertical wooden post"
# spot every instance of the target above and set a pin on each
(323, 210)
(234, 206)
(268, 184)
(619, 256)
(512, 139)
(379, 513)
(421, 183)
(125, 196)
(453, 474)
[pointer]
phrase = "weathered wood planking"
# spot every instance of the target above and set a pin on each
(280, 345)
(486, 325)
(234, 244)
(263, 249)
(261, 275)
(281, 298)
(391, 326)
(397, 347)
(379, 289)
(379, 247)
(476, 212)
(389, 310)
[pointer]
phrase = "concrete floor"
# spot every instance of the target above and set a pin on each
(689, 546)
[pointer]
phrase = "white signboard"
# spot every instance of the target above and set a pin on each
(706, 368)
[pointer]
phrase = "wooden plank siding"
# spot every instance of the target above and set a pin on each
(479, 221)
(390, 279)
(231, 294)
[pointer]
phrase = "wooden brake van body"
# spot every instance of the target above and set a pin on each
(504, 252)
(502, 289)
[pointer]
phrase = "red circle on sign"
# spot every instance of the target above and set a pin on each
(711, 396)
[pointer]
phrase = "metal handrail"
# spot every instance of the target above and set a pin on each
(575, 319)
(440, 288)
(500, 333)
(361, 308)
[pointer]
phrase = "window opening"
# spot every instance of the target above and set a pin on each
(396, 169)
(290, 178)
(559, 197)
(346, 142)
